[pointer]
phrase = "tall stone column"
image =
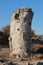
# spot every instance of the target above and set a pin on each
(20, 29)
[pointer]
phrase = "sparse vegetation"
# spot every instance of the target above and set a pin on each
(4, 35)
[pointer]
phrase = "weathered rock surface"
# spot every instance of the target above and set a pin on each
(20, 28)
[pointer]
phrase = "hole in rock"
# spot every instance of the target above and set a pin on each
(16, 16)
(18, 29)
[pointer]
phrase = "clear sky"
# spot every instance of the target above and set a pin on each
(7, 7)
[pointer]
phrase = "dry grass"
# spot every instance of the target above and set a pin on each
(40, 56)
(4, 52)
(36, 46)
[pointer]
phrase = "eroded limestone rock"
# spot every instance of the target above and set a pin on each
(20, 29)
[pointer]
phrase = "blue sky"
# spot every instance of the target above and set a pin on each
(7, 7)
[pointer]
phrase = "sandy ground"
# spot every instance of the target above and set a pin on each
(4, 53)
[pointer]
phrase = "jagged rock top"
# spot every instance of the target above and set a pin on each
(22, 10)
